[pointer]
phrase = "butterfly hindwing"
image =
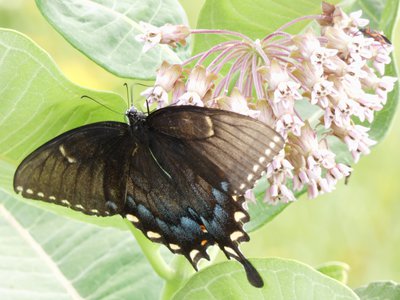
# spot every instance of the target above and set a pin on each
(186, 214)
(84, 169)
(205, 159)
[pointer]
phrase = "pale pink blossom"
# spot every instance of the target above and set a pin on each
(236, 103)
(167, 34)
(356, 138)
(338, 172)
(198, 87)
(278, 193)
(167, 76)
(320, 92)
(280, 168)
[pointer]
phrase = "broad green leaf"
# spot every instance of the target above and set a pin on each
(372, 10)
(383, 15)
(255, 18)
(44, 256)
(283, 279)
(383, 290)
(37, 103)
(384, 118)
(105, 30)
(336, 270)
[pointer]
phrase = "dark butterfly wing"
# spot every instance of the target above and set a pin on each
(195, 169)
(85, 169)
(179, 177)
(220, 143)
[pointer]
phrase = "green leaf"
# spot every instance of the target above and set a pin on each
(44, 256)
(105, 30)
(255, 18)
(283, 279)
(372, 10)
(384, 290)
(38, 103)
(384, 118)
(383, 15)
(336, 270)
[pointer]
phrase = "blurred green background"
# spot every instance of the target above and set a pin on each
(358, 224)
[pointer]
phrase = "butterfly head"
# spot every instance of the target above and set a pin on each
(134, 116)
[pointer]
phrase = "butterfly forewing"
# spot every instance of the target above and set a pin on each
(225, 143)
(85, 169)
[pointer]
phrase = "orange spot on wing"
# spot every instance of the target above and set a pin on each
(203, 228)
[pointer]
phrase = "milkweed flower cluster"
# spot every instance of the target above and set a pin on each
(338, 73)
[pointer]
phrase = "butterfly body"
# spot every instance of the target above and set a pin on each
(178, 175)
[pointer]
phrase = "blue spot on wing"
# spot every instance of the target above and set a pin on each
(215, 226)
(190, 225)
(163, 226)
(224, 186)
(219, 196)
(144, 212)
(220, 213)
(130, 202)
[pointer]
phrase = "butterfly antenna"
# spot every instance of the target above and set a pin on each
(148, 108)
(141, 84)
(98, 102)
(128, 96)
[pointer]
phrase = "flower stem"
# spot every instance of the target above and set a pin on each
(220, 31)
(175, 275)
(183, 272)
(151, 251)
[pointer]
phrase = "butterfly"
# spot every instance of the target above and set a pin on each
(179, 175)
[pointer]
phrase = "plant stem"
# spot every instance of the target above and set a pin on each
(151, 251)
(174, 275)
(183, 272)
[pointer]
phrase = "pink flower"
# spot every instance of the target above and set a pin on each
(236, 103)
(338, 172)
(167, 34)
(381, 57)
(167, 75)
(280, 168)
(384, 87)
(310, 49)
(320, 92)
(198, 88)
(266, 114)
(356, 138)
(278, 193)
(287, 91)
(318, 186)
